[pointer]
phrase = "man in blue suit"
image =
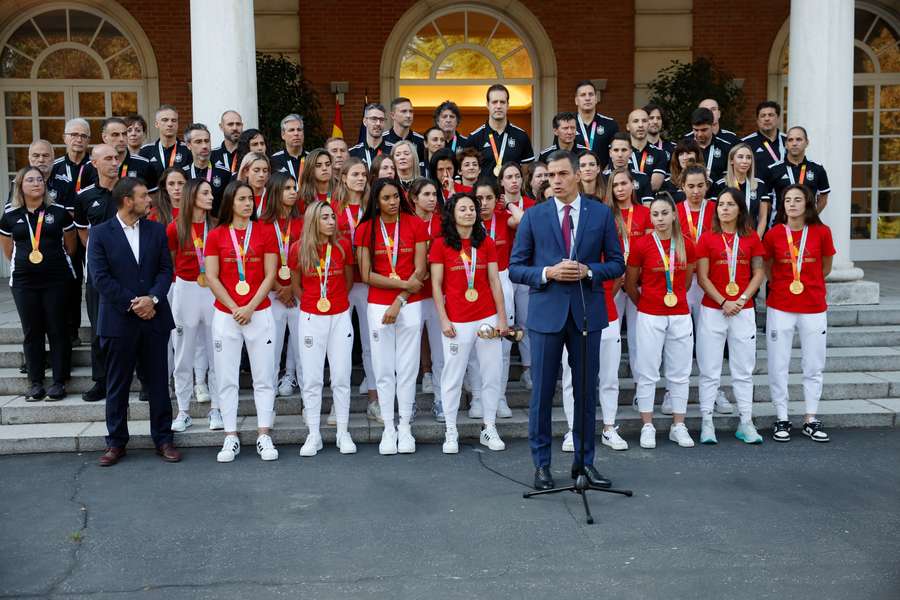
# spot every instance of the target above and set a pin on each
(563, 244)
(131, 268)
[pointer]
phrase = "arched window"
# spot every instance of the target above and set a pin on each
(59, 63)
(875, 179)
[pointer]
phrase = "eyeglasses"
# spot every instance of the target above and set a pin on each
(82, 136)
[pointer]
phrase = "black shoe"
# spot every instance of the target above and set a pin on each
(593, 476)
(23, 369)
(814, 431)
(145, 395)
(76, 341)
(781, 432)
(36, 393)
(95, 394)
(543, 480)
(57, 391)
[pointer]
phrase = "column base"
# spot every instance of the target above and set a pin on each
(842, 293)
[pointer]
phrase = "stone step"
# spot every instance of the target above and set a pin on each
(86, 436)
(16, 410)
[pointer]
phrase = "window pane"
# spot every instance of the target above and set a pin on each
(862, 149)
(863, 96)
(890, 60)
(890, 121)
(427, 42)
(860, 201)
(889, 176)
(861, 176)
(884, 43)
(51, 104)
(18, 131)
(890, 96)
(52, 129)
(480, 26)
(862, 21)
(452, 27)
(125, 66)
(69, 64)
(27, 40)
(860, 228)
(53, 25)
(13, 64)
(888, 228)
(96, 126)
(889, 148)
(861, 62)
(124, 103)
(17, 104)
(504, 41)
(518, 65)
(82, 26)
(91, 104)
(889, 201)
(413, 66)
(109, 41)
(466, 64)
(18, 158)
(862, 122)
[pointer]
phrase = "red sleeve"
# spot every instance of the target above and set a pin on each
(172, 234)
(212, 242)
(756, 247)
(827, 241)
(270, 241)
(490, 250)
(635, 256)
(361, 237)
(702, 248)
(349, 259)
(294, 256)
(768, 245)
(690, 250)
(436, 254)
(420, 230)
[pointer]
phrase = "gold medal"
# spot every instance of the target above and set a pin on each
(201, 280)
(670, 299)
(471, 294)
(284, 273)
(242, 288)
(796, 287)
(323, 305)
(36, 257)
(497, 171)
(394, 275)
(732, 288)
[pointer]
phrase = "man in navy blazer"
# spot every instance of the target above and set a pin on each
(562, 244)
(131, 268)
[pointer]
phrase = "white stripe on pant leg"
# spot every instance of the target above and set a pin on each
(189, 304)
(259, 336)
(432, 324)
(521, 312)
(608, 379)
(312, 350)
(408, 337)
(359, 300)
(490, 352)
(628, 312)
(227, 342)
(650, 331)
(383, 342)
(509, 303)
(813, 328)
(712, 331)
(457, 356)
(679, 357)
(742, 359)
(779, 339)
(340, 359)
(568, 391)
(279, 322)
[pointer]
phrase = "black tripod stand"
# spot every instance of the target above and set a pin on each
(581, 485)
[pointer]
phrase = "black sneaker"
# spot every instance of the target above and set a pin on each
(144, 396)
(782, 431)
(36, 393)
(95, 394)
(813, 430)
(57, 391)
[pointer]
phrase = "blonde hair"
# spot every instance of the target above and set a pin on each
(414, 157)
(18, 196)
(610, 200)
(341, 196)
(309, 239)
(731, 177)
(249, 159)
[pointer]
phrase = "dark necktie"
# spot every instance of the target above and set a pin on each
(566, 229)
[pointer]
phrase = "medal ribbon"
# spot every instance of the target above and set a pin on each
(262, 203)
(36, 234)
(584, 135)
(199, 246)
(626, 239)
(162, 153)
(790, 173)
(208, 173)
(771, 152)
(470, 266)
(233, 162)
(493, 226)
(353, 222)
(643, 160)
(284, 240)
(796, 255)
(392, 244)
(498, 156)
(322, 269)
(731, 255)
(710, 158)
(78, 182)
(124, 172)
(695, 231)
(668, 261)
(239, 252)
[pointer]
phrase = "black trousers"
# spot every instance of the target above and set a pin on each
(40, 311)
(73, 301)
(150, 349)
(98, 358)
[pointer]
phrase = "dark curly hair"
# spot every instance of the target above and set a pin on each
(373, 208)
(448, 222)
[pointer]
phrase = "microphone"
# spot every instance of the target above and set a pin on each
(574, 253)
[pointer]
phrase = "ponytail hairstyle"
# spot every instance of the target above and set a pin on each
(308, 193)
(693, 170)
(610, 199)
(743, 225)
(163, 200)
(677, 237)
(185, 223)
(309, 239)
(416, 187)
(275, 198)
(448, 222)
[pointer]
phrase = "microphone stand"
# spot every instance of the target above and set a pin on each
(581, 485)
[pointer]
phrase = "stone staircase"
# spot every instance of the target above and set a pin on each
(862, 389)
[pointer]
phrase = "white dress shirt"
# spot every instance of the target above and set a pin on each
(560, 213)
(132, 234)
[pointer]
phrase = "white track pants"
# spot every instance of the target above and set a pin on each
(324, 336)
(521, 315)
(395, 358)
(457, 351)
(473, 371)
(228, 339)
(284, 316)
(607, 380)
(713, 330)
(432, 324)
(658, 336)
(812, 328)
(359, 301)
(192, 310)
(628, 312)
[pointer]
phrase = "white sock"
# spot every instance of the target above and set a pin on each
(341, 428)
(746, 419)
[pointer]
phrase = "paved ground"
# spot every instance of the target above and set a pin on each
(794, 521)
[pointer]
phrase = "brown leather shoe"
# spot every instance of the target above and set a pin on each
(169, 453)
(111, 456)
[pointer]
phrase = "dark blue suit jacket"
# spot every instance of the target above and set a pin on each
(118, 279)
(539, 243)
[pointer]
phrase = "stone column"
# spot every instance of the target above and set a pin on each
(223, 62)
(820, 84)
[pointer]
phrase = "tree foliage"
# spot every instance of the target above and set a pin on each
(680, 87)
(281, 90)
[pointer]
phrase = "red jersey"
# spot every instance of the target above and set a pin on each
(347, 222)
(262, 242)
(712, 246)
(819, 244)
(187, 265)
(455, 284)
(611, 313)
(411, 232)
(499, 230)
(645, 255)
(287, 233)
(336, 286)
(640, 223)
(694, 227)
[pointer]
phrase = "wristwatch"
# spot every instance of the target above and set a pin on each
(155, 300)
(402, 301)
(743, 297)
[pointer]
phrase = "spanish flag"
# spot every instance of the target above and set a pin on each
(337, 129)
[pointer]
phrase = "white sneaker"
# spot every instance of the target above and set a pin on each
(230, 449)
(312, 445)
(475, 409)
(722, 405)
(708, 431)
(648, 436)
(526, 378)
(332, 418)
(266, 448)
(373, 412)
(345, 443)
(215, 420)
(364, 387)
(181, 422)
(678, 433)
(612, 439)
(746, 432)
(451, 442)
(201, 393)
(667, 404)
(503, 410)
(406, 443)
(388, 443)
(286, 385)
(490, 438)
(427, 384)
(569, 442)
